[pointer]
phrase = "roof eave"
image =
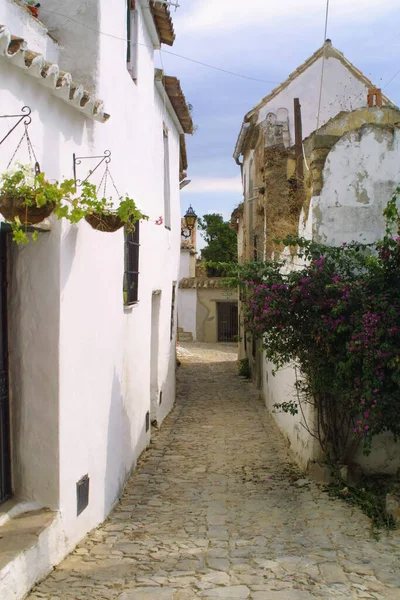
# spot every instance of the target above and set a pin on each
(158, 79)
(239, 143)
(150, 23)
(60, 83)
(173, 90)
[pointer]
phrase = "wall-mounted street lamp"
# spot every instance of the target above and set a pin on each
(190, 221)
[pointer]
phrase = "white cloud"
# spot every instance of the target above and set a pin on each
(201, 185)
(210, 16)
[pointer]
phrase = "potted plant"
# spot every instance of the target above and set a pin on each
(104, 217)
(27, 198)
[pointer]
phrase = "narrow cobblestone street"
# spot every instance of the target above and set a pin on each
(215, 509)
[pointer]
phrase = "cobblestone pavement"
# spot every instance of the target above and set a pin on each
(214, 511)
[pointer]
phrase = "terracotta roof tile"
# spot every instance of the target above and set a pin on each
(163, 22)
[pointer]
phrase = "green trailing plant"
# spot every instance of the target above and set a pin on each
(24, 198)
(126, 213)
(337, 321)
(244, 368)
(369, 496)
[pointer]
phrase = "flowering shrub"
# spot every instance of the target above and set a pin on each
(338, 319)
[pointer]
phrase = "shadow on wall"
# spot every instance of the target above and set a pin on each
(68, 249)
(119, 447)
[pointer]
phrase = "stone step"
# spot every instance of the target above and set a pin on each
(30, 545)
(185, 336)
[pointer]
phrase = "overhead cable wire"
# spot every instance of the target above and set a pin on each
(323, 62)
(392, 79)
(198, 62)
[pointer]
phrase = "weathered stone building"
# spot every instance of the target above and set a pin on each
(319, 158)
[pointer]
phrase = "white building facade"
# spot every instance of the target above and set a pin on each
(89, 368)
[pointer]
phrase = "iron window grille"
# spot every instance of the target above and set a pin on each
(131, 276)
(172, 311)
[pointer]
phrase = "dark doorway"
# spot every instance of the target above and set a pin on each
(227, 321)
(5, 455)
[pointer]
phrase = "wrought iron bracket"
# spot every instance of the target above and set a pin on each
(186, 234)
(23, 117)
(77, 160)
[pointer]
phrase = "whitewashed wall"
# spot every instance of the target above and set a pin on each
(22, 24)
(80, 360)
(341, 91)
(187, 309)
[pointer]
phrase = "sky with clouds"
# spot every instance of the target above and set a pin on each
(266, 40)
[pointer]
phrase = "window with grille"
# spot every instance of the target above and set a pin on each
(132, 37)
(173, 310)
(131, 276)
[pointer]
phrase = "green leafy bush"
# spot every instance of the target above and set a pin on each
(337, 320)
(244, 368)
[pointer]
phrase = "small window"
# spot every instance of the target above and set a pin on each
(132, 36)
(131, 276)
(173, 310)
(167, 187)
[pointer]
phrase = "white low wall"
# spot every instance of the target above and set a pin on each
(187, 308)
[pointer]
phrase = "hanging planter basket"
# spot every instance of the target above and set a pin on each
(13, 206)
(105, 222)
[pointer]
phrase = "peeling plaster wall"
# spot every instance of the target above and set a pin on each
(361, 173)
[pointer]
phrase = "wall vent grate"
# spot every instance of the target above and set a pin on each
(82, 494)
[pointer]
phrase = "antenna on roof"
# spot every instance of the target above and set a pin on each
(169, 3)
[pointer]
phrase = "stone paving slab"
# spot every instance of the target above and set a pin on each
(215, 509)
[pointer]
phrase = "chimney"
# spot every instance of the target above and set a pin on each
(374, 97)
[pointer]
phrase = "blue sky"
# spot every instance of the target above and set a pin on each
(264, 39)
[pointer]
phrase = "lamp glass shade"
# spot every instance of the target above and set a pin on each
(190, 218)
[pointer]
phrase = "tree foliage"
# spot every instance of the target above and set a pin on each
(221, 242)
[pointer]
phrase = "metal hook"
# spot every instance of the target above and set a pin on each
(22, 117)
(77, 160)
